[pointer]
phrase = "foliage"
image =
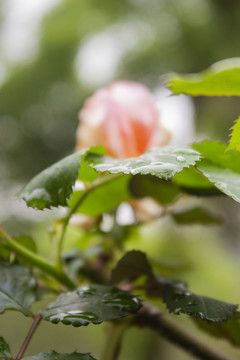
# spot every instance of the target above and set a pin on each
(52, 355)
(18, 288)
(4, 350)
(221, 79)
(235, 135)
(127, 284)
(91, 304)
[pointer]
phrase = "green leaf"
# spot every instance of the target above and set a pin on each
(106, 195)
(27, 241)
(9, 255)
(220, 79)
(217, 154)
(4, 251)
(4, 350)
(91, 304)
(162, 191)
(195, 215)
(53, 355)
(54, 185)
(229, 330)
(192, 181)
(135, 264)
(179, 301)
(17, 288)
(162, 162)
(132, 265)
(224, 179)
(234, 142)
(87, 173)
(220, 167)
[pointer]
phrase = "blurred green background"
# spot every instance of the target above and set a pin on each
(55, 53)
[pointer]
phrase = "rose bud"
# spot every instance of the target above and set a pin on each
(122, 117)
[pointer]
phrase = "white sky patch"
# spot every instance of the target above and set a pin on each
(20, 28)
(100, 55)
(176, 115)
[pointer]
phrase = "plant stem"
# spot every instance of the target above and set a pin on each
(115, 333)
(36, 322)
(149, 317)
(37, 260)
(59, 244)
(96, 184)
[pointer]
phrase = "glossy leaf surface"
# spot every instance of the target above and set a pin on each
(221, 79)
(53, 355)
(181, 301)
(162, 162)
(54, 185)
(17, 288)
(4, 350)
(91, 304)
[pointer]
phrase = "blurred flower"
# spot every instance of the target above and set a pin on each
(122, 117)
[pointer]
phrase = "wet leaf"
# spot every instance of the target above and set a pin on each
(17, 288)
(53, 355)
(195, 215)
(220, 79)
(234, 142)
(162, 162)
(132, 265)
(180, 301)
(103, 198)
(229, 330)
(162, 191)
(54, 185)
(4, 350)
(91, 304)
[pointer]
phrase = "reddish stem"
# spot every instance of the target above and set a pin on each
(36, 322)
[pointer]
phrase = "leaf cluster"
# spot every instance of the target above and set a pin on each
(92, 286)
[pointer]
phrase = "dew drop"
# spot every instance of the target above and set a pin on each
(180, 158)
(117, 169)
